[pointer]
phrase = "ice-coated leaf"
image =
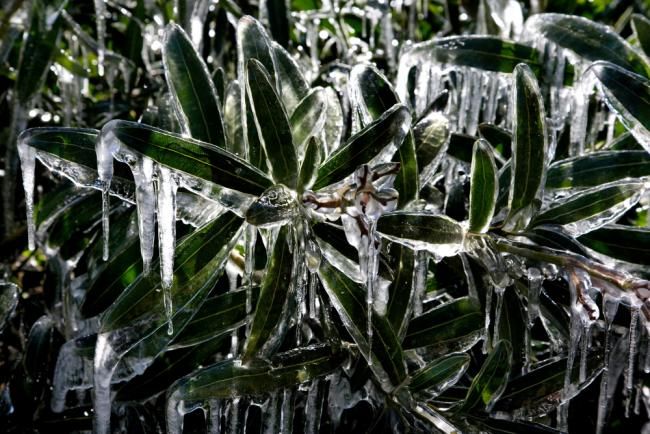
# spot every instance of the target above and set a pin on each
(378, 140)
(271, 317)
(276, 206)
(512, 326)
(292, 84)
(555, 237)
(529, 150)
(310, 164)
(438, 234)
(407, 181)
(628, 95)
(593, 208)
(454, 326)
(484, 186)
(503, 426)
(169, 367)
(232, 116)
(461, 146)
(189, 156)
(625, 243)
(431, 136)
(500, 139)
(308, 118)
(217, 316)
(232, 378)
(641, 27)
(402, 288)
(253, 43)
(491, 380)
(218, 79)
(195, 96)
(439, 374)
(597, 168)
(278, 16)
(8, 302)
(199, 260)
(43, 343)
(74, 145)
(588, 39)
(73, 228)
(349, 300)
(272, 124)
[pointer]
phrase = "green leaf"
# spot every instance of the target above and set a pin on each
(454, 326)
(620, 242)
(597, 168)
(271, 317)
(74, 145)
(500, 139)
(189, 156)
(192, 88)
(232, 378)
(628, 95)
(218, 79)
(529, 151)
(491, 381)
(401, 290)
(71, 64)
(217, 316)
(278, 16)
(233, 121)
(42, 346)
(349, 300)
(593, 208)
(292, 84)
(512, 326)
(555, 237)
(253, 43)
(8, 302)
(310, 164)
(502, 426)
(277, 205)
(461, 146)
(308, 118)
(199, 260)
(641, 27)
(439, 374)
(407, 181)
(484, 187)
(588, 39)
(438, 234)
(272, 124)
(431, 136)
(368, 145)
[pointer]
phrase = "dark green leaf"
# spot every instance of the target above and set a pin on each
(219, 81)
(529, 150)
(499, 138)
(308, 118)
(310, 164)
(192, 157)
(42, 346)
(555, 237)
(512, 326)
(422, 231)
(270, 320)
(628, 95)
(491, 381)
(401, 289)
(439, 374)
(253, 43)
(597, 168)
(431, 136)
(292, 83)
(71, 64)
(278, 16)
(588, 39)
(484, 187)
(272, 125)
(620, 242)
(231, 378)
(502, 426)
(593, 208)
(349, 300)
(75, 145)
(461, 146)
(366, 146)
(641, 27)
(8, 302)
(277, 205)
(233, 121)
(454, 326)
(192, 88)
(407, 181)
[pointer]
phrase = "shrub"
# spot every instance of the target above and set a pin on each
(418, 217)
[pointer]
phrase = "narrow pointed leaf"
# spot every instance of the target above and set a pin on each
(232, 378)
(502, 426)
(491, 381)
(401, 290)
(385, 133)
(500, 139)
(349, 300)
(588, 39)
(454, 326)
(253, 43)
(431, 137)
(628, 95)
(641, 27)
(438, 234)
(310, 164)
(407, 181)
(278, 16)
(529, 150)
(620, 242)
(440, 374)
(233, 120)
(192, 88)
(597, 168)
(308, 118)
(484, 187)
(75, 145)
(271, 317)
(292, 84)
(189, 156)
(272, 125)
(593, 208)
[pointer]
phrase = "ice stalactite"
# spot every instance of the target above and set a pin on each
(143, 172)
(610, 307)
(100, 16)
(167, 186)
(497, 313)
(488, 310)
(535, 280)
(27, 156)
(631, 358)
(249, 265)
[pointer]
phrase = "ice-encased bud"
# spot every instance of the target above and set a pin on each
(276, 206)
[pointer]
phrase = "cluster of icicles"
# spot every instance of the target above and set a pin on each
(475, 96)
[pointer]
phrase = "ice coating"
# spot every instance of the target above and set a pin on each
(167, 186)
(100, 16)
(27, 156)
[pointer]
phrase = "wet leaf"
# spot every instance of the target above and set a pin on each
(438, 234)
(253, 43)
(529, 150)
(588, 39)
(271, 317)
(440, 374)
(499, 138)
(189, 156)
(454, 326)
(191, 86)
(308, 118)
(75, 145)
(310, 164)
(232, 116)
(491, 381)
(555, 237)
(628, 95)
(620, 242)
(292, 83)
(272, 125)
(484, 187)
(367, 145)
(402, 289)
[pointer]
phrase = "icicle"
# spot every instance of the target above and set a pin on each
(143, 171)
(106, 147)
(497, 313)
(629, 371)
(286, 412)
(488, 308)
(249, 265)
(27, 156)
(100, 15)
(167, 188)
(535, 280)
(585, 344)
(313, 408)
(214, 419)
(610, 307)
